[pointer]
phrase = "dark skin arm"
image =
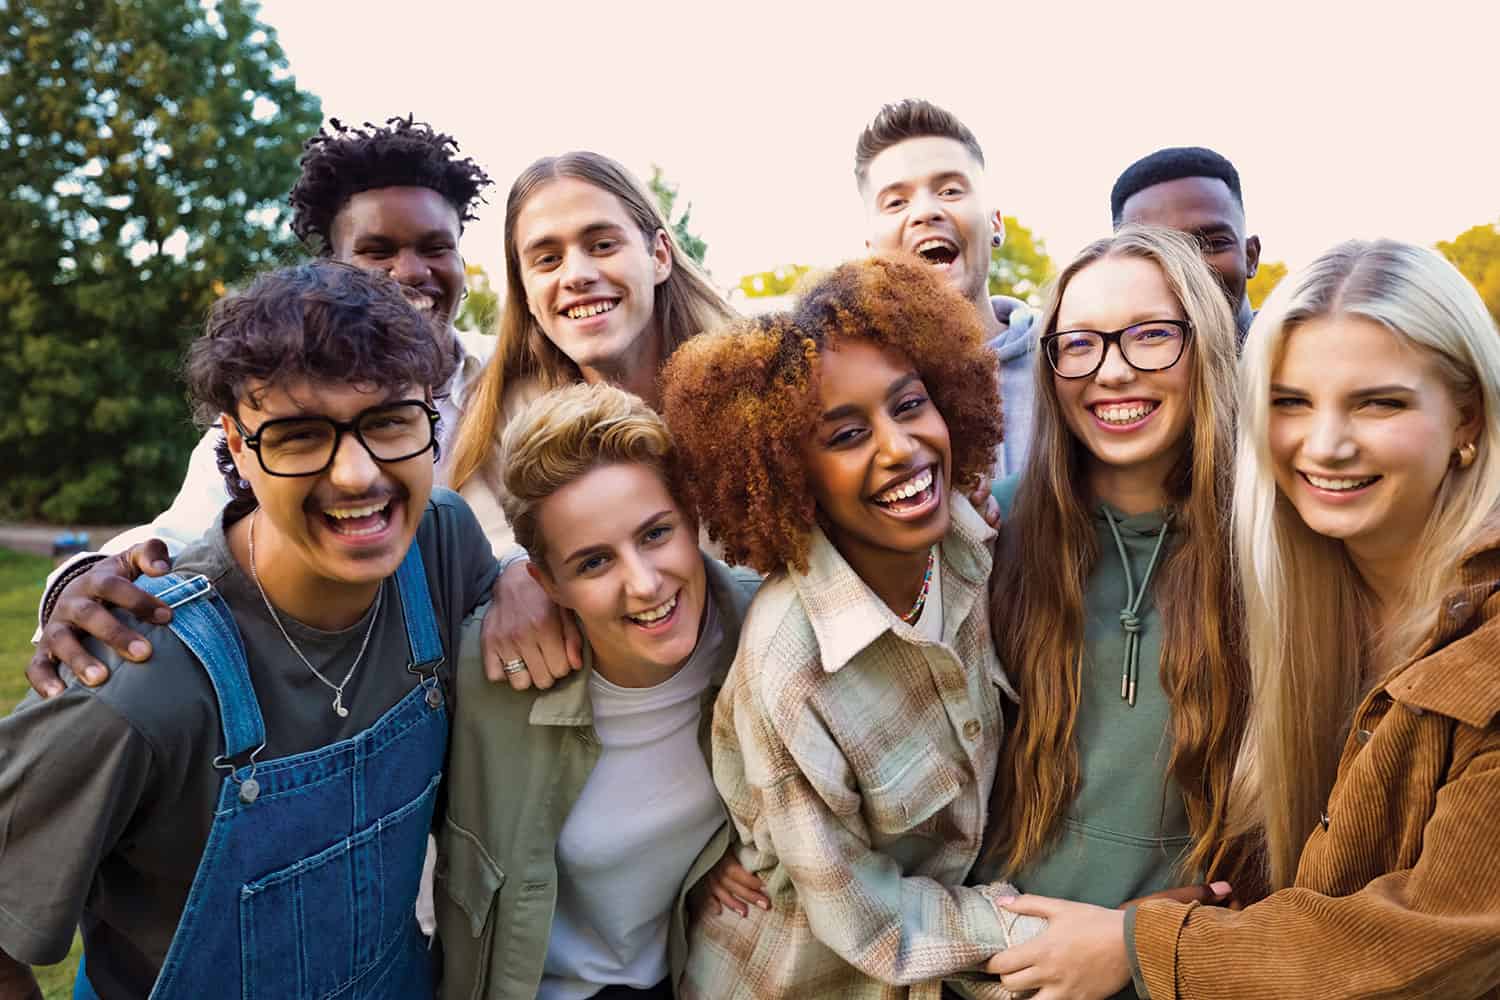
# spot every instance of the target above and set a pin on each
(83, 608)
(17, 981)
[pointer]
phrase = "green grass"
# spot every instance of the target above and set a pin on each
(21, 579)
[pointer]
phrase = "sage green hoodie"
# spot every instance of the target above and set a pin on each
(1127, 829)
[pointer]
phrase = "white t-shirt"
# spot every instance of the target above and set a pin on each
(643, 817)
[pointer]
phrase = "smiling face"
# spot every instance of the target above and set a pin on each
(590, 277)
(1362, 430)
(924, 196)
(1133, 423)
(623, 556)
(879, 460)
(348, 525)
(410, 233)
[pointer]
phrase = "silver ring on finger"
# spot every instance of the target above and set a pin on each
(513, 667)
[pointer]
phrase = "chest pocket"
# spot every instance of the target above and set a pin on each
(908, 803)
(469, 884)
(295, 927)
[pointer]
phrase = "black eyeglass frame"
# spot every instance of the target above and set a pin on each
(1113, 337)
(340, 427)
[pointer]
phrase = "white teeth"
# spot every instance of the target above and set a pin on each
(911, 487)
(657, 613)
(1325, 483)
(592, 309)
(1123, 413)
(350, 512)
(422, 303)
(927, 245)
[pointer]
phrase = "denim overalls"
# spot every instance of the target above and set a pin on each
(308, 882)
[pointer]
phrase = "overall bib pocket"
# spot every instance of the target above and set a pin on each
(288, 930)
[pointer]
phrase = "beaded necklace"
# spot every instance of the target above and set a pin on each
(911, 616)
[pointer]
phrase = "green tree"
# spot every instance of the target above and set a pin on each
(666, 196)
(1020, 267)
(1267, 275)
(781, 281)
(1476, 253)
(146, 148)
(481, 307)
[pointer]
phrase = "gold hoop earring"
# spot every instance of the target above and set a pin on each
(1466, 453)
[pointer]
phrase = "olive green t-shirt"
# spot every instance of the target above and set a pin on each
(107, 795)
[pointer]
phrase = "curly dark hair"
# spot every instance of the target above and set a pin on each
(320, 320)
(742, 401)
(340, 162)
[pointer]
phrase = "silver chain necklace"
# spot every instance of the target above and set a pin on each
(337, 689)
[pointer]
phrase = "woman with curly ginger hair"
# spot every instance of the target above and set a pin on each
(856, 739)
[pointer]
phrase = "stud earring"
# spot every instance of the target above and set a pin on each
(1465, 454)
(997, 241)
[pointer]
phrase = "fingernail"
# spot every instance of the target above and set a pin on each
(52, 690)
(1220, 888)
(1004, 900)
(764, 904)
(94, 674)
(139, 649)
(160, 566)
(162, 616)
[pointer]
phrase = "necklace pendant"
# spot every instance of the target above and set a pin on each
(338, 706)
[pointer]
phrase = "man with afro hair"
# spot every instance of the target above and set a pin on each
(391, 198)
(1196, 191)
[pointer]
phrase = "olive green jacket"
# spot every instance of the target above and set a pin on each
(517, 763)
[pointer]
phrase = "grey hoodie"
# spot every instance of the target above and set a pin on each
(1016, 345)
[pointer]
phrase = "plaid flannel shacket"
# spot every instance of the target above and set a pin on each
(856, 760)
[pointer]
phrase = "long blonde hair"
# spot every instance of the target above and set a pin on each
(685, 304)
(1311, 646)
(1048, 551)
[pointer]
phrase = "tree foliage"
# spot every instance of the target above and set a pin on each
(1020, 266)
(1476, 253)
(1267, 275)
(481, 307)
(146, 148)
(666, 197)
(781, 281)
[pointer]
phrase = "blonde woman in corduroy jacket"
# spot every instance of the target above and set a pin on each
(1367, 528)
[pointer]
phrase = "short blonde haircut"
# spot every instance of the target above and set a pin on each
(565, 434)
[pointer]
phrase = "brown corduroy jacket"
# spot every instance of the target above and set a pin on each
(1397, 891)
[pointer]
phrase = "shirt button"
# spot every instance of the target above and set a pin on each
(1414, 709)
(971, 729)
(1323, 820)
(1362, 736)
(1458, 607)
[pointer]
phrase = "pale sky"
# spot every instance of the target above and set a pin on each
(1344, 119)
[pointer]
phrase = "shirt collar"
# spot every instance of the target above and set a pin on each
(845, 614)
(1454, 674)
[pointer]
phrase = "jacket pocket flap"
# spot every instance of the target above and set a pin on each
(915, 794)
(468, 874)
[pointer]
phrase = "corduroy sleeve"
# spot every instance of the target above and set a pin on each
(1432, 930)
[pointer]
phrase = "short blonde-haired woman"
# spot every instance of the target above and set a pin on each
(579, 817)
(1368, 534)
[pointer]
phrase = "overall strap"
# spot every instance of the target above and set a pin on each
(416, 607)
(202, 620)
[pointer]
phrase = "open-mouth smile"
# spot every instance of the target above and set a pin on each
(937, 251)
(658, 618)
(914, 496)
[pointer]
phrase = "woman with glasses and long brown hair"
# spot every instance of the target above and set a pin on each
(1114, 607)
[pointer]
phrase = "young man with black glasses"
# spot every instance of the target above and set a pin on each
(393, 199)
(251, 804)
